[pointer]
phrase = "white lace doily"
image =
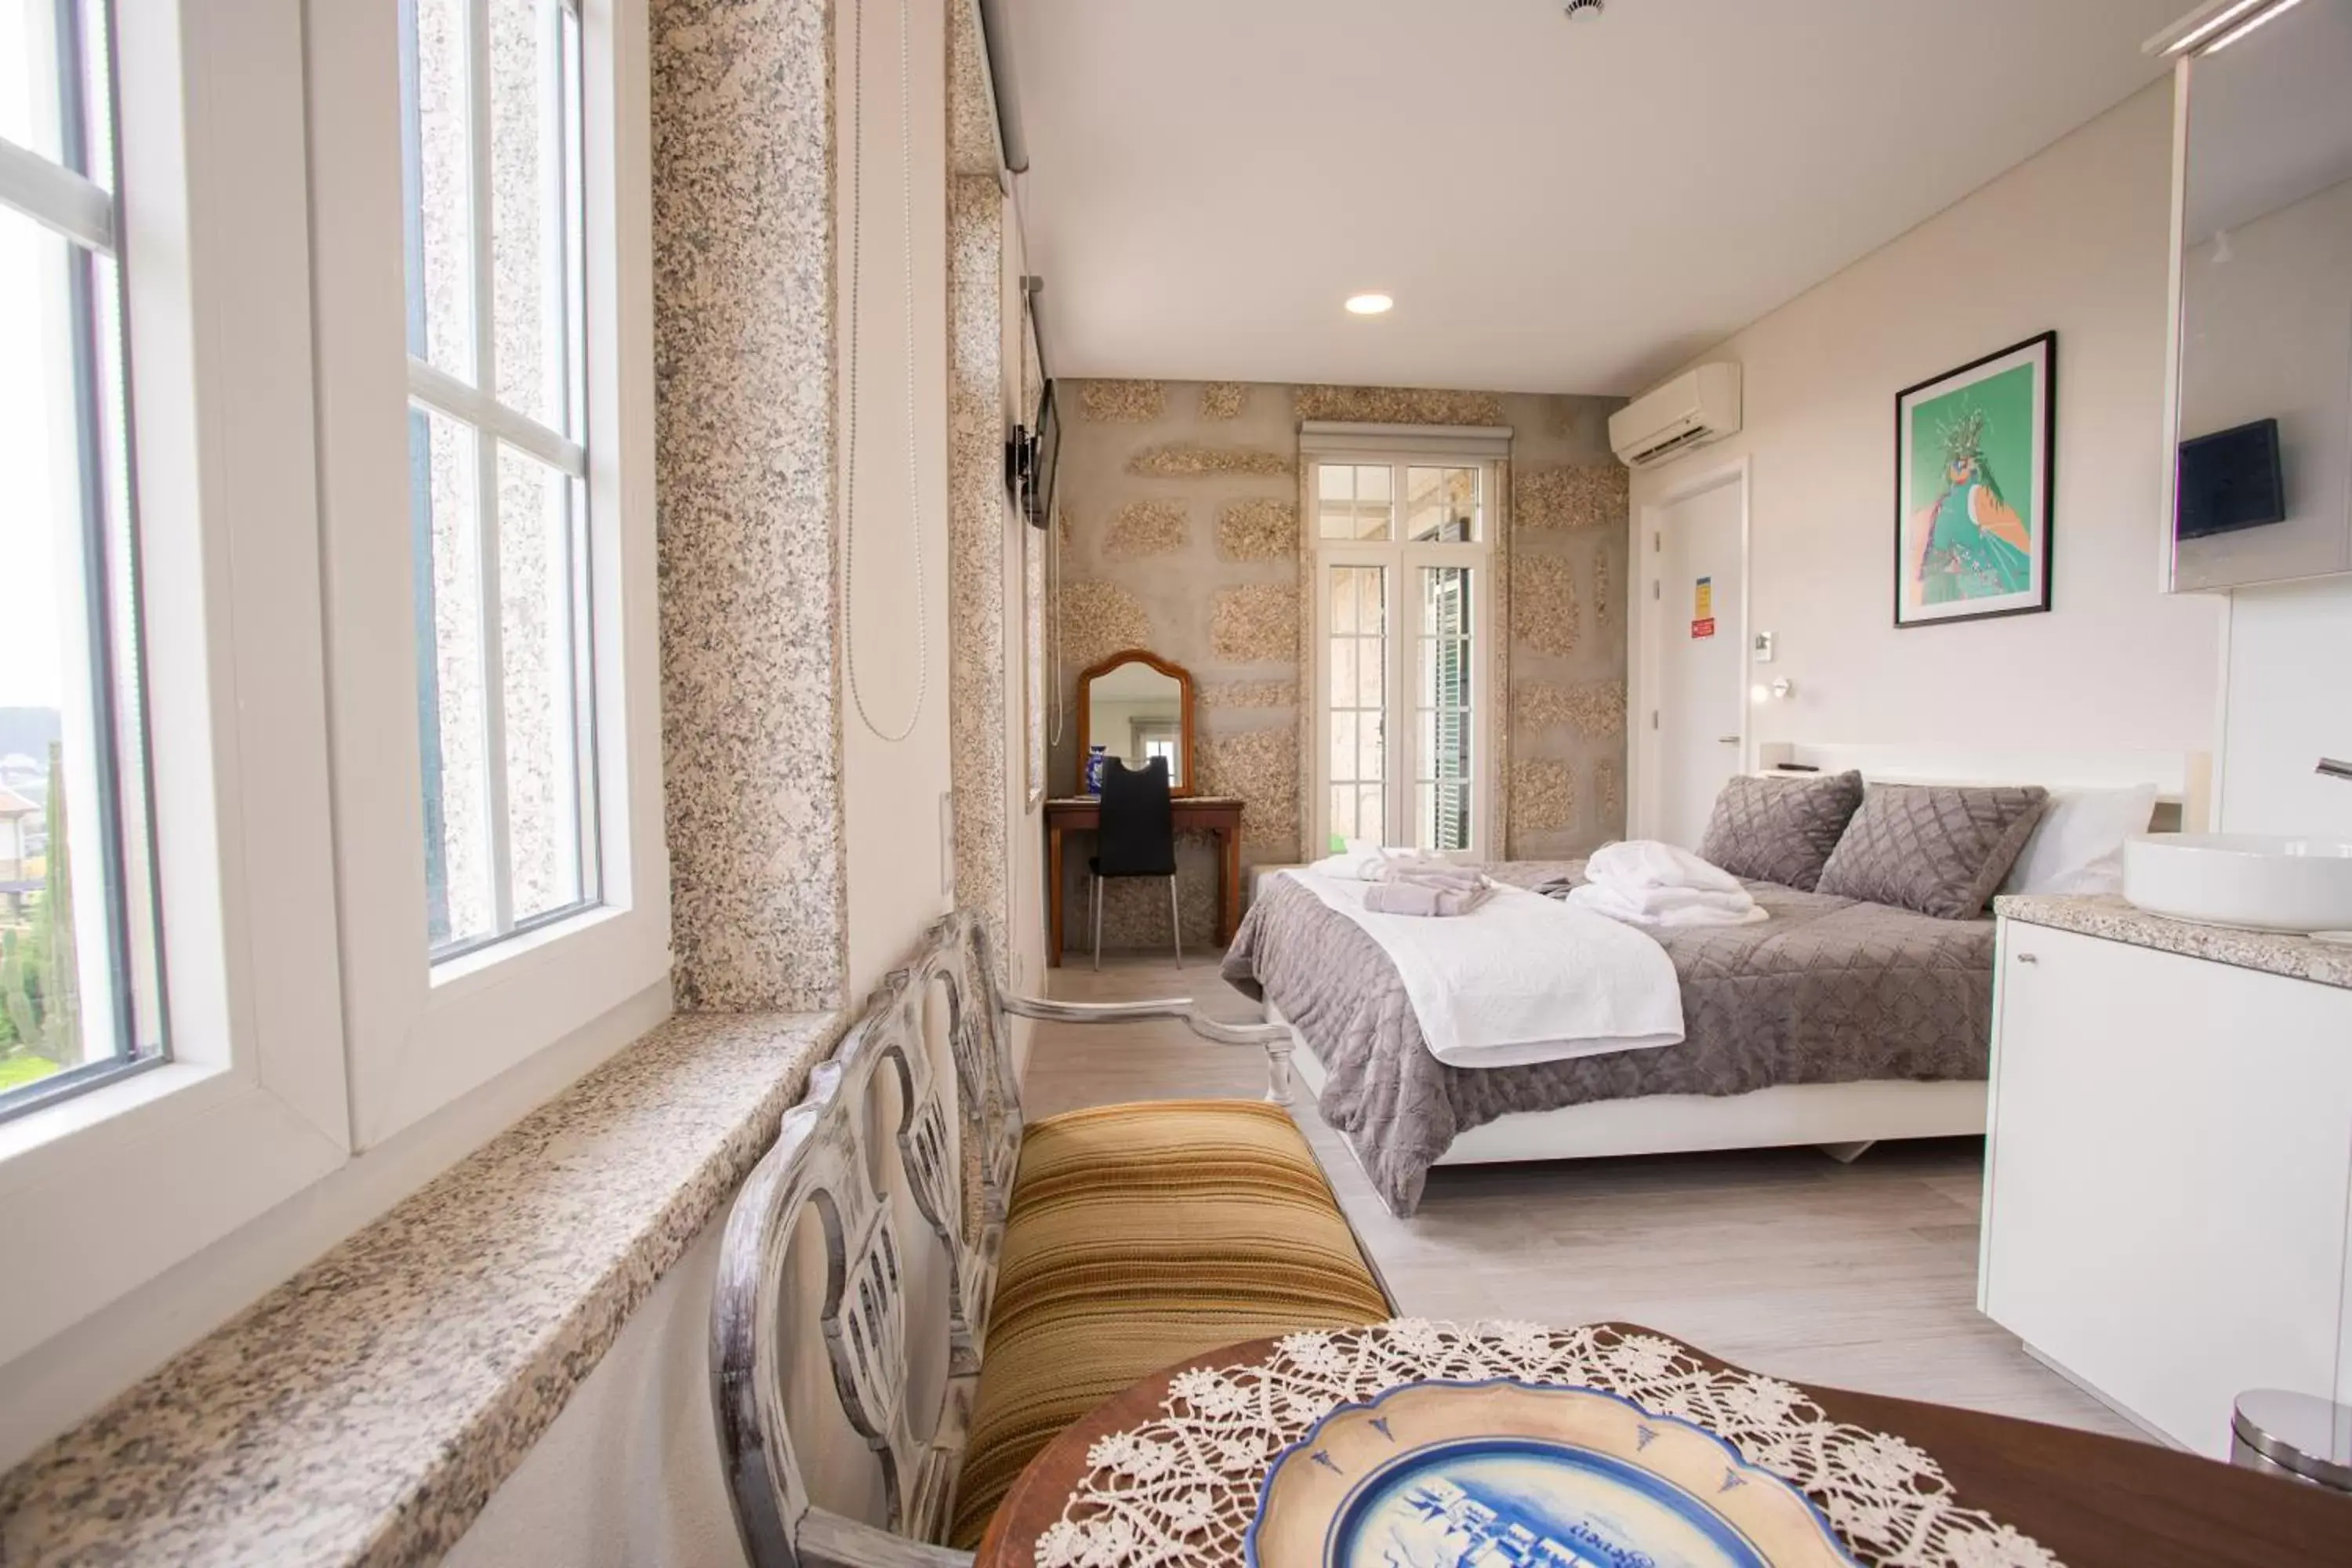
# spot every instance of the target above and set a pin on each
(1182, 1488)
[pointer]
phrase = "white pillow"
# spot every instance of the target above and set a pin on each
(2078, 847)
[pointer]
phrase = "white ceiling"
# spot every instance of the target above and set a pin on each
(1556, 206)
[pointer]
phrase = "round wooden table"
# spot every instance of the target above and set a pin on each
(2093, 1501)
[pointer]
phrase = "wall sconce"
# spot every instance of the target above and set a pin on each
(1779, 690)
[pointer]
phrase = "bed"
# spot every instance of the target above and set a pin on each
(1835, 1021)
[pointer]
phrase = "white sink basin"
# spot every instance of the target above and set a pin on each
(2242, 880)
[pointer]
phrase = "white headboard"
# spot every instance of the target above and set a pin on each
(2183, 780)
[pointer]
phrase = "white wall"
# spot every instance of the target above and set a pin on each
(2290, 703)
(629, 1474)
(895, 833)
(2074, 239)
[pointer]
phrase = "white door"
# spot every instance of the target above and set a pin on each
(1700, 565)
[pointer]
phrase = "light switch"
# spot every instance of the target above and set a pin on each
(1763, 648)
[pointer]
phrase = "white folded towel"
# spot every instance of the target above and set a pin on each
(1644, 863)
(1414, 896)
(1442, 874)
(1671, 908)
(1646, 883)
(1359, 862)
(1363, 862)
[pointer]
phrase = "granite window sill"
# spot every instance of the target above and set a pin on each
(364, 1411)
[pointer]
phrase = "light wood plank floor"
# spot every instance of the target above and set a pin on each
(1859, 1276)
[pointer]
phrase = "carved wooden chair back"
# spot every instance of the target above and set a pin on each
(823, 1164)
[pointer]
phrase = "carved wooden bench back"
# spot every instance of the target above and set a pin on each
(822, 1164)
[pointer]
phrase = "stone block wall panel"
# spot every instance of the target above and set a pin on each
(1249, 694)
(972, 109)
(1195, 459)
(1546, 614)
(1543, 795)
(1261, 766)
(1572, 497)
(1143, 528)
(1225, 399)
(1398, 405)
(978, 728)
(1100, 619)
(1256, 624)
(1570, 564)
(1122, 402)
(1258, 530)
(744, 448)
(1592, 709)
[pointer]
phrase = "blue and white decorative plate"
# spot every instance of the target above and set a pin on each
(1516, 1475)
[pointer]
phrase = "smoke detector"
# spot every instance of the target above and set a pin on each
(1583, 10)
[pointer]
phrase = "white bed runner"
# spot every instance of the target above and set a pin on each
(1522, 978)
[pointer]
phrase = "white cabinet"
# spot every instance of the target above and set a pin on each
(2169, 1149)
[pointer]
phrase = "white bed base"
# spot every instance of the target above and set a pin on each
(1842, 1118)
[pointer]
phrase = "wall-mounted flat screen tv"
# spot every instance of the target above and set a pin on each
(1040, 453)
(2229, 481)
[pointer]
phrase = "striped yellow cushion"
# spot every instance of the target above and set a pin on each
(1142, 1236)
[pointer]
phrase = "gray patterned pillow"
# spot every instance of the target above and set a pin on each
(1936, 848)
(1780, 829)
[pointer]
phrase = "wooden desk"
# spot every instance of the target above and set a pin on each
(2097, 1502)
(1219, 815)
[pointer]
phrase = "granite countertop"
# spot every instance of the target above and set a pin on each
(2298, 957)
(364, 1411)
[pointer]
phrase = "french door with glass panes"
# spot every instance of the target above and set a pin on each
(1403, 590)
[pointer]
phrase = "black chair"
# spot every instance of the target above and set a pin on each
(1137, 837)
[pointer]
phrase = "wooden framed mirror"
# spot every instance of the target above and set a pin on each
(1136, 706)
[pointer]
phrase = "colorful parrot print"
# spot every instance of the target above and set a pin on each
(1968, 543)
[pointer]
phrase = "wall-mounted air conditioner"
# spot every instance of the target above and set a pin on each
(1696, 407)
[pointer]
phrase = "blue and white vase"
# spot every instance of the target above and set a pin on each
(1095, 757)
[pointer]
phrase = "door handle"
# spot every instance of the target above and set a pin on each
(1728, 740)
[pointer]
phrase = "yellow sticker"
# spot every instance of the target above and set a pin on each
(1702, 605)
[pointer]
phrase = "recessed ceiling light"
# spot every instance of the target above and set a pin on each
(1369, 304)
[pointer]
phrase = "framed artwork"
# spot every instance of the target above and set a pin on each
(1972, 473)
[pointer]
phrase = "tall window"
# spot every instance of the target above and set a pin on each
(1400, 562)
(80, 997)
(491, 101)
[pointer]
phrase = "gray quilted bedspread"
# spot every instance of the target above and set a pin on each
(1829, 990)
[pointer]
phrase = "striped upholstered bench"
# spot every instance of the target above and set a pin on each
(918, 1291)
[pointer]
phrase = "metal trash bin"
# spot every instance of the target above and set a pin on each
(2298, 1436)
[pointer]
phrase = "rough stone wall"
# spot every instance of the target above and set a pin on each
(1179, 506)
(1571, 539)
(1180, 502)
(979, 728)
(744, 451)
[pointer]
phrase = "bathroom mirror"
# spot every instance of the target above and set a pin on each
(1136, 706)
(2260, 490)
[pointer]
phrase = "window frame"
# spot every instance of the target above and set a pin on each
(216, 287)
(81, 206)
(424, 1033)
(489, 424)
(1398, 448)
(269, 389)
